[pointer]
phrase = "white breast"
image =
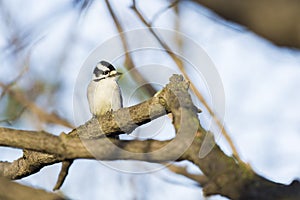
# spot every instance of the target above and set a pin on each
(104, 96)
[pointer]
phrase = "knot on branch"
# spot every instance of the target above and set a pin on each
(176, 95)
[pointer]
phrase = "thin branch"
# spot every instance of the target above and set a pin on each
(46, 117)
(20, 97)
(200, 179)
(179, 63)
(12, 83)
(7, 87)
(65, 166)
(163, 10)
(10, 120)
(129, 63)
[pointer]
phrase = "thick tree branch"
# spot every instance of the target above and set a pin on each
(127, 120)
(64, 147)
(224, 175)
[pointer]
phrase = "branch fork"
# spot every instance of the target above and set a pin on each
(223, 175)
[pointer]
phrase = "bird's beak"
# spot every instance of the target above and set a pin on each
(118, 74)
(115, 73)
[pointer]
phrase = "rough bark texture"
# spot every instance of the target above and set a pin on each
(224, 175)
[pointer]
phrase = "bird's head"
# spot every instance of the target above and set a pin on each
(104, 70)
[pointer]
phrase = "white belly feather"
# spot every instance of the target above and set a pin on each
(104, 96)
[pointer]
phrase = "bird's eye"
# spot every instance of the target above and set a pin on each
(105, 72)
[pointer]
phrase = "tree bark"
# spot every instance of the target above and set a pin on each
(224, 175)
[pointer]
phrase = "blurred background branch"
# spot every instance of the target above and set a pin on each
(12, 190)
(277, 21)
(181, 67)
(128, 63)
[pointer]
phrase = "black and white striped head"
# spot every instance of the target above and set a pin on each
(104, 70)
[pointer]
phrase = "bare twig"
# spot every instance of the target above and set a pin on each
(65, 166)
(160, 12)
(27, 104)
(129, 63)
(12, 83)
(7, 87)
(10, 120)
(46, 117)
(200, 179)
(179, 63)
